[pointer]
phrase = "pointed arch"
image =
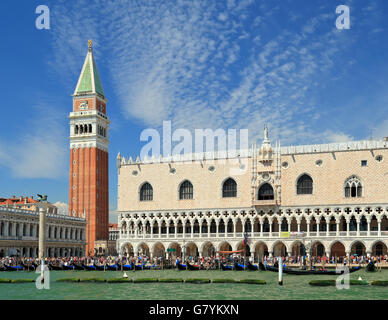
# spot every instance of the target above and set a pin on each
(265, 192)
(229, 188)
(353, 187)
(146, 192)
(186, 190)
(304, 184)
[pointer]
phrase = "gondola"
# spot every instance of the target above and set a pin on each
(181, 266)
(239, 267)
(192, 267)
(55, 267)
(371, 267)
(309, 272)
(139, 266)
(100, 267)
(252, 267)
(70, 267)
(261, 266)
(27, 267)
(112, 267)
(78, 267)
(13, 268)
(226, 267)
(89, 268)
(125, 267)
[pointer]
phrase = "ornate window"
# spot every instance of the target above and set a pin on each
(265, 192)
(229, 188)
(304, 185)
(353, 187)
(186, 190)
(146, 192)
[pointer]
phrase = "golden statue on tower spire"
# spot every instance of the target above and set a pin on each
(90, 44)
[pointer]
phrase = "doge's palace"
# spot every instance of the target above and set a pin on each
(336, 194)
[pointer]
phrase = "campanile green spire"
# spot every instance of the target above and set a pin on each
(89, 80)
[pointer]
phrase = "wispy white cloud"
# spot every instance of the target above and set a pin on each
(187, 62)
(39, 151)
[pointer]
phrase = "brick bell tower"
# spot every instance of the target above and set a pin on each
(88, 180)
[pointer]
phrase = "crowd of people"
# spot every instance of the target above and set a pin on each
(206, 263)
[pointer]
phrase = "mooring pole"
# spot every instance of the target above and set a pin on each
(280, 267)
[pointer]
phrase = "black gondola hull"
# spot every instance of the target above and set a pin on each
(310, 272)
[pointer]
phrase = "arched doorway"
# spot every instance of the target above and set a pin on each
(127, 250)
(318, 249)
(225, 246)
(191, 250)
(337, 250)
(208, 250)
(261, 250)
(298, 249)
(246, 250)
(358, 248)
(176, 250)
(159, 250)
(143, 250)
(279, 249)
(379, 249)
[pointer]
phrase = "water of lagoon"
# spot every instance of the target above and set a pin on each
(294, 288)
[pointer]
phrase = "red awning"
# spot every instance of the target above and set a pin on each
(237, 251)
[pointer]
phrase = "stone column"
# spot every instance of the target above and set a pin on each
(368, 228)
(308, 229)
(217, 225)
(6, 226)
(234, 229)
(160, 230)
(289, 226)
(379, 228)
(358, 228)
(261, 229)
(347, 228)
(42, 233)
(298, 223)
(337, 229)
(270, 229)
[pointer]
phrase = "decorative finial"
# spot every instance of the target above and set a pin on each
(265, 132)
(90, 44)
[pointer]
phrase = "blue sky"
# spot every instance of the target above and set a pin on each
(200, 64)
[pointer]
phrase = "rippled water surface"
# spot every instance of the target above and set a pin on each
(294, 287)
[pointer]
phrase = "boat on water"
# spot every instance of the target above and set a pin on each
(181, 266)
(239, 267)
(27, 267)
(226, 267)
(69, 267)
(13, 268)
(99, 267)
(89, 267)
(192, 267)
(308, 272)
(252, 267)
(112, 267)
(371, 267)
(78, 267)
(139, 266)
(57, 267)
(126, 267)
